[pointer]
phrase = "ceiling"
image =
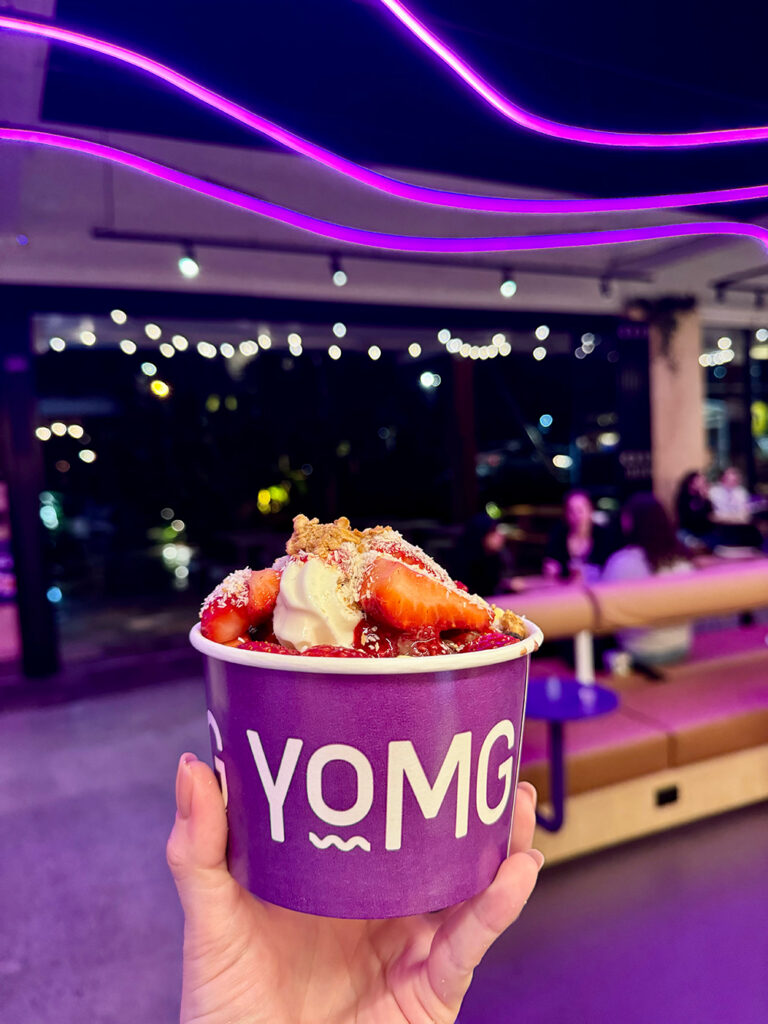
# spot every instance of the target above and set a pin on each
(345, 76)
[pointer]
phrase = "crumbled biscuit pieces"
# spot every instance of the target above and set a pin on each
(507, 622)
(316, 538)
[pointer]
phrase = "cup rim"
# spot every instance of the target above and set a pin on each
(368, 666)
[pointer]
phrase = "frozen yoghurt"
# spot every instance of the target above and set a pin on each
(340, 592)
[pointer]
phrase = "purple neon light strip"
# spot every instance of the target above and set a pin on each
(569, 133)
(376, 239)
(380, 182)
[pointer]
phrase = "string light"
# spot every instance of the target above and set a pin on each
(761, 334)
(152, 331)
(128, 346)
(562, 461)
(498, 339)
(148, 369)
(414, 350)
(43, 434)
(57, 344)
(248, 348)
(334, 352)
(295, 339)
(206, 349)
(87, 337)
(265, 341)
(374, 352)
(159, 388)
(453, 345)
(464, 349)
(118, 316)
(724, 343)
(541, 333)
(167, 350)
(59, 429)
(75, 430)
(180, 343)
(339, 329)
(444, 336)
(227, 350)
(505, 348)
(87, 455)
(539, 353)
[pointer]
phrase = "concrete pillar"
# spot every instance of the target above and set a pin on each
(678, 440)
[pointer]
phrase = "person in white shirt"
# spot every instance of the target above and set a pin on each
(730, 499)
(652, 549)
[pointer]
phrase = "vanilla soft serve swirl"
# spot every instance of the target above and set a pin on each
(312, 608)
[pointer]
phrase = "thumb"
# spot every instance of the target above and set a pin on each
(196, 848)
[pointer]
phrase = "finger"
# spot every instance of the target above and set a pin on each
(196, 849)
(521, 837)
(524, 821)
(463, 939)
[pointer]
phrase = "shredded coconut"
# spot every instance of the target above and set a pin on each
(232, 592)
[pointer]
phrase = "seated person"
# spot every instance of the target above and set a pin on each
(578, 547)
(652, 549)
(733, 511)
(694, 511)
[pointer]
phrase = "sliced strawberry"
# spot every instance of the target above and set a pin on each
(264, 646)
(225, 614)
(329, 651)
(263, 589)
(400, 597)
(376, 640)
(403, 552)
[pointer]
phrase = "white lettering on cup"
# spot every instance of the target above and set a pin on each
(404, 761)
(218, 764)
(364, 799)
(275, 790)
(487, 814)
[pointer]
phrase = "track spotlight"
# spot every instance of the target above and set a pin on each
(338, 275)
(188, 265)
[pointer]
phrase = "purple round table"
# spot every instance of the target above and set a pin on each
(557, 700)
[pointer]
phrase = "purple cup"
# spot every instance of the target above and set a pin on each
(367, 788)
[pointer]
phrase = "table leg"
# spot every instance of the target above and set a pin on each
(554, 821)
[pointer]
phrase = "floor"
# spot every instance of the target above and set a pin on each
(672, 930)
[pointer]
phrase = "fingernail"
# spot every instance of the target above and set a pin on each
(537, 856)
(184, 786)
(532, 790)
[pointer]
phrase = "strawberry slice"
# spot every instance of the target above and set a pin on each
(263, 588)
(225, 615)
(329, 651)
(265, 646)
(395, 595)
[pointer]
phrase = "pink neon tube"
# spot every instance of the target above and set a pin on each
(349, 169)
(377, 239)
(542, 125)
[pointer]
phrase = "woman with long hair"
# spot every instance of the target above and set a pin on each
(651, 549)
